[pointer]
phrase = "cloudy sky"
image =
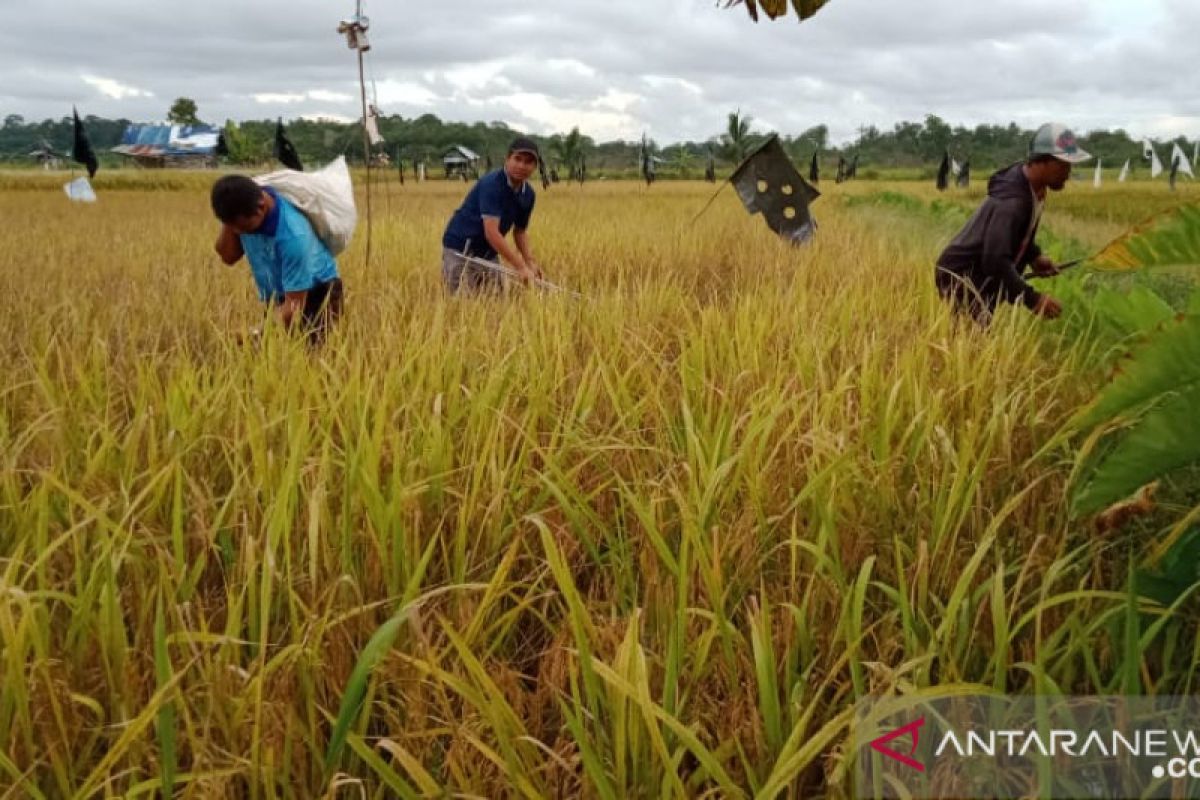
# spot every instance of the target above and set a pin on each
(672, 68)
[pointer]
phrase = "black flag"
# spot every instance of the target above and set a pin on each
(284, 151)
(767, 183)
(222, 145)
(710, 171)
(841, 173)
(852, 170)
(943, 176)
(964, 175)
(814, 169)
(1174, 171)
(647, 162)
(83, 152)
(542, 170)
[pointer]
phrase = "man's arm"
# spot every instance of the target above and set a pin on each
(1033, 252)
(491, 230)
(521, 237)
(998, 261)
(291, 308)
(229, 246)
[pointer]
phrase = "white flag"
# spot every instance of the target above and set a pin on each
(1124, 172)
(1156, 167)
(373, 126)
(80, 191)
(955, 168)
(1185, 166)
(1096, 181)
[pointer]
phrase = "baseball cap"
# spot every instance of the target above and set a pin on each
(1059, 141)
(523, 144)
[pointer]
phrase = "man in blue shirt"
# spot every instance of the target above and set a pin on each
(292, 267)
(499, 202)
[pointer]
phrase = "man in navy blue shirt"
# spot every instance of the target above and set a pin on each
(499, 202)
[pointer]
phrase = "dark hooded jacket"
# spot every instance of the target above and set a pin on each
(985, 251)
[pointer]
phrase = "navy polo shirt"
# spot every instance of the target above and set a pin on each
(491, 196)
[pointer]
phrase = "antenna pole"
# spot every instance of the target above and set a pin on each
(355, 31)
(362, 85)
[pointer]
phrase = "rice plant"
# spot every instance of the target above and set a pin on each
(656, 543)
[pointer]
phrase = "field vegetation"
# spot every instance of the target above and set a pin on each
(655, 543)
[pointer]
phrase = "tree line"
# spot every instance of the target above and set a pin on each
(909, 145)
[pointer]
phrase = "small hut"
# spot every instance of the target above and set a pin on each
(460, 162)
(45, 156)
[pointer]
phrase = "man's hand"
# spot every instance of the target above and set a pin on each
(535, 267)
(528, 273)
(292, 308)
(229, 246)
(1048, 307)
(1043, 267)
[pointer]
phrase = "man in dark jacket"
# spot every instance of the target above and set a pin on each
(985, 263)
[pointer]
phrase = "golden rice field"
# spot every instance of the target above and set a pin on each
(656, 543)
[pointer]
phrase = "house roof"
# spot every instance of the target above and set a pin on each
(168, 140)
(460, 153)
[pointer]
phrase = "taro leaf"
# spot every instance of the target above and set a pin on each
(1159, 391)
(1136, 311)
(1176, 573)
(1170, 239)
(1168, 363)
(1163, 440)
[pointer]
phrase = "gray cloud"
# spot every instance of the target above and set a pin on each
(613, 66)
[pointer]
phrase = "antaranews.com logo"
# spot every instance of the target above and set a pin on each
(1012, 747)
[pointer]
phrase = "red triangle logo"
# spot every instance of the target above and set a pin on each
(880, 745)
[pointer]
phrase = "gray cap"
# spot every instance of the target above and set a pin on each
(1057, 140)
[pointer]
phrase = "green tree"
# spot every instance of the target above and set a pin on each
(183, 112)
(244, 146)
(568, 150)
(735, 142)
(681, 160)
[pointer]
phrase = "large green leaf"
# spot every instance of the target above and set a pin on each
(1170, 239)
(1138, 310)
(1170, 362)
(1165, 439)
(778, 8)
